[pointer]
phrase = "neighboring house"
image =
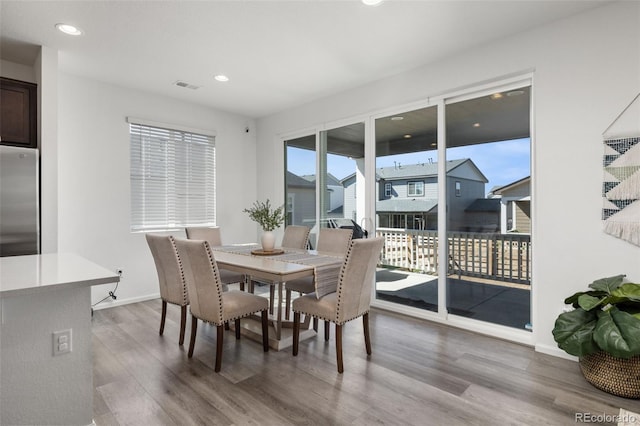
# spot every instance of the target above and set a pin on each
(408, 194)
(515, 206)
(301, 199)
(483, 215)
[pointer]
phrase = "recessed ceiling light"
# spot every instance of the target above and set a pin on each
(221, 77)
(397, 118)
(69, 29)
(407, 136)
(476, 124)
(371, 2)
(497, 96)
(515, 93)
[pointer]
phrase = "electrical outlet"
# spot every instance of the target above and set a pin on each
(62, 343)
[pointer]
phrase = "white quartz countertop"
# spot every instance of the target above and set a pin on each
(21, 275)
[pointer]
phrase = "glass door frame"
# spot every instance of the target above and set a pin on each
(441, 101)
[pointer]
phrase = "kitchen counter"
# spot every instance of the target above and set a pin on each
(46, 380)
(20, 275)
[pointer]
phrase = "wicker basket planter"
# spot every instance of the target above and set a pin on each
(617, 376)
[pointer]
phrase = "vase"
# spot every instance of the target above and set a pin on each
(268, 240)
(616, 376)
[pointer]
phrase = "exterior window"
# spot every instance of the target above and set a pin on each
(415, 189)
(458, 188)
(387, 189)
(172, 178)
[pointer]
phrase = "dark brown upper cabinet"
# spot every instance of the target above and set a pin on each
(18, 121)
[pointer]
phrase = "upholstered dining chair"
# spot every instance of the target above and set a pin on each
(351, 299)
(332, 241)
(214, 238)
(173, 288)
(207, 300)
(295, 236)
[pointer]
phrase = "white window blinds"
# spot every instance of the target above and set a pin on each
(173, 181)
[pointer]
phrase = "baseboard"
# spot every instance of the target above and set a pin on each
(119, 302)
(554, 351)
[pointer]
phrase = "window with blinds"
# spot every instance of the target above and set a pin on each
(173, 181)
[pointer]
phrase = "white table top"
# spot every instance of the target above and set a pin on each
(20, 275)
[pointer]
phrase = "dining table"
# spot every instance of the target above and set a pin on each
(276, 268)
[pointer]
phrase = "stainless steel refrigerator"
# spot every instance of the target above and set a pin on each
(19, 201)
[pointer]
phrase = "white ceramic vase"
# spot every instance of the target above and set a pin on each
(268, 240)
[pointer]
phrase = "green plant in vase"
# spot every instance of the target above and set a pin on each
(604, 325)
(268, 218)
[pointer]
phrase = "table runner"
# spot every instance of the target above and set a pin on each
(326, 268)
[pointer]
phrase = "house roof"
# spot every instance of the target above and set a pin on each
(404, 171)
(499, 190)
(405, 205)
(295, 180)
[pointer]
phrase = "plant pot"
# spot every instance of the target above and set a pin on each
(617, 376)
(268, 241)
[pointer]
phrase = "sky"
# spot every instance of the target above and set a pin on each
(501, 162)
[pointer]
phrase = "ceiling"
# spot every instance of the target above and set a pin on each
(492, 117)
(277, 54)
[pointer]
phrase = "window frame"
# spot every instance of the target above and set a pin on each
(172, 176)
(415, 186)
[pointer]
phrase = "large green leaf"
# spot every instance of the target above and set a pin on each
(629, 291)
(618, 333)
(607, 284)
(573, 299)
(573, 331)
(588, 302)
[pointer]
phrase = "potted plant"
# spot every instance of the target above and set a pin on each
(603, 330)
(269, 219)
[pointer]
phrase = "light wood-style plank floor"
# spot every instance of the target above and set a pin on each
(420, 373)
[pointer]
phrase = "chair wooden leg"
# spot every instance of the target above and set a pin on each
(194, 328)
(327, 327)
(183, 323)
(315, 324)
(219, 348)
(296, 332)
(163, 316)
(251, 286)
(226, 326)
(272, 296)
(265, 331)
(287, 305)
(238, 329)
(339, 348)
(367, 337)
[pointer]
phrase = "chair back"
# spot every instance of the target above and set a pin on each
(173, 288)
(356, 279)
(295, 236)
(211, 235)
(334, 240)
(202, 278)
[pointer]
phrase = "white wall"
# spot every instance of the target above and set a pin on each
(586, 70)
(93, 177)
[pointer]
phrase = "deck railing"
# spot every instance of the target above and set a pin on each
(502, 257)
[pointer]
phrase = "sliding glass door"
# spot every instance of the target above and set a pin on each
(325, 180)
(406, 207)
(479, 192)
(447, 184)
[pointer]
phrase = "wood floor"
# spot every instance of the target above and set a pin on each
(420, 373)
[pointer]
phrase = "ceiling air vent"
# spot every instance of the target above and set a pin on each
(186, 85)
